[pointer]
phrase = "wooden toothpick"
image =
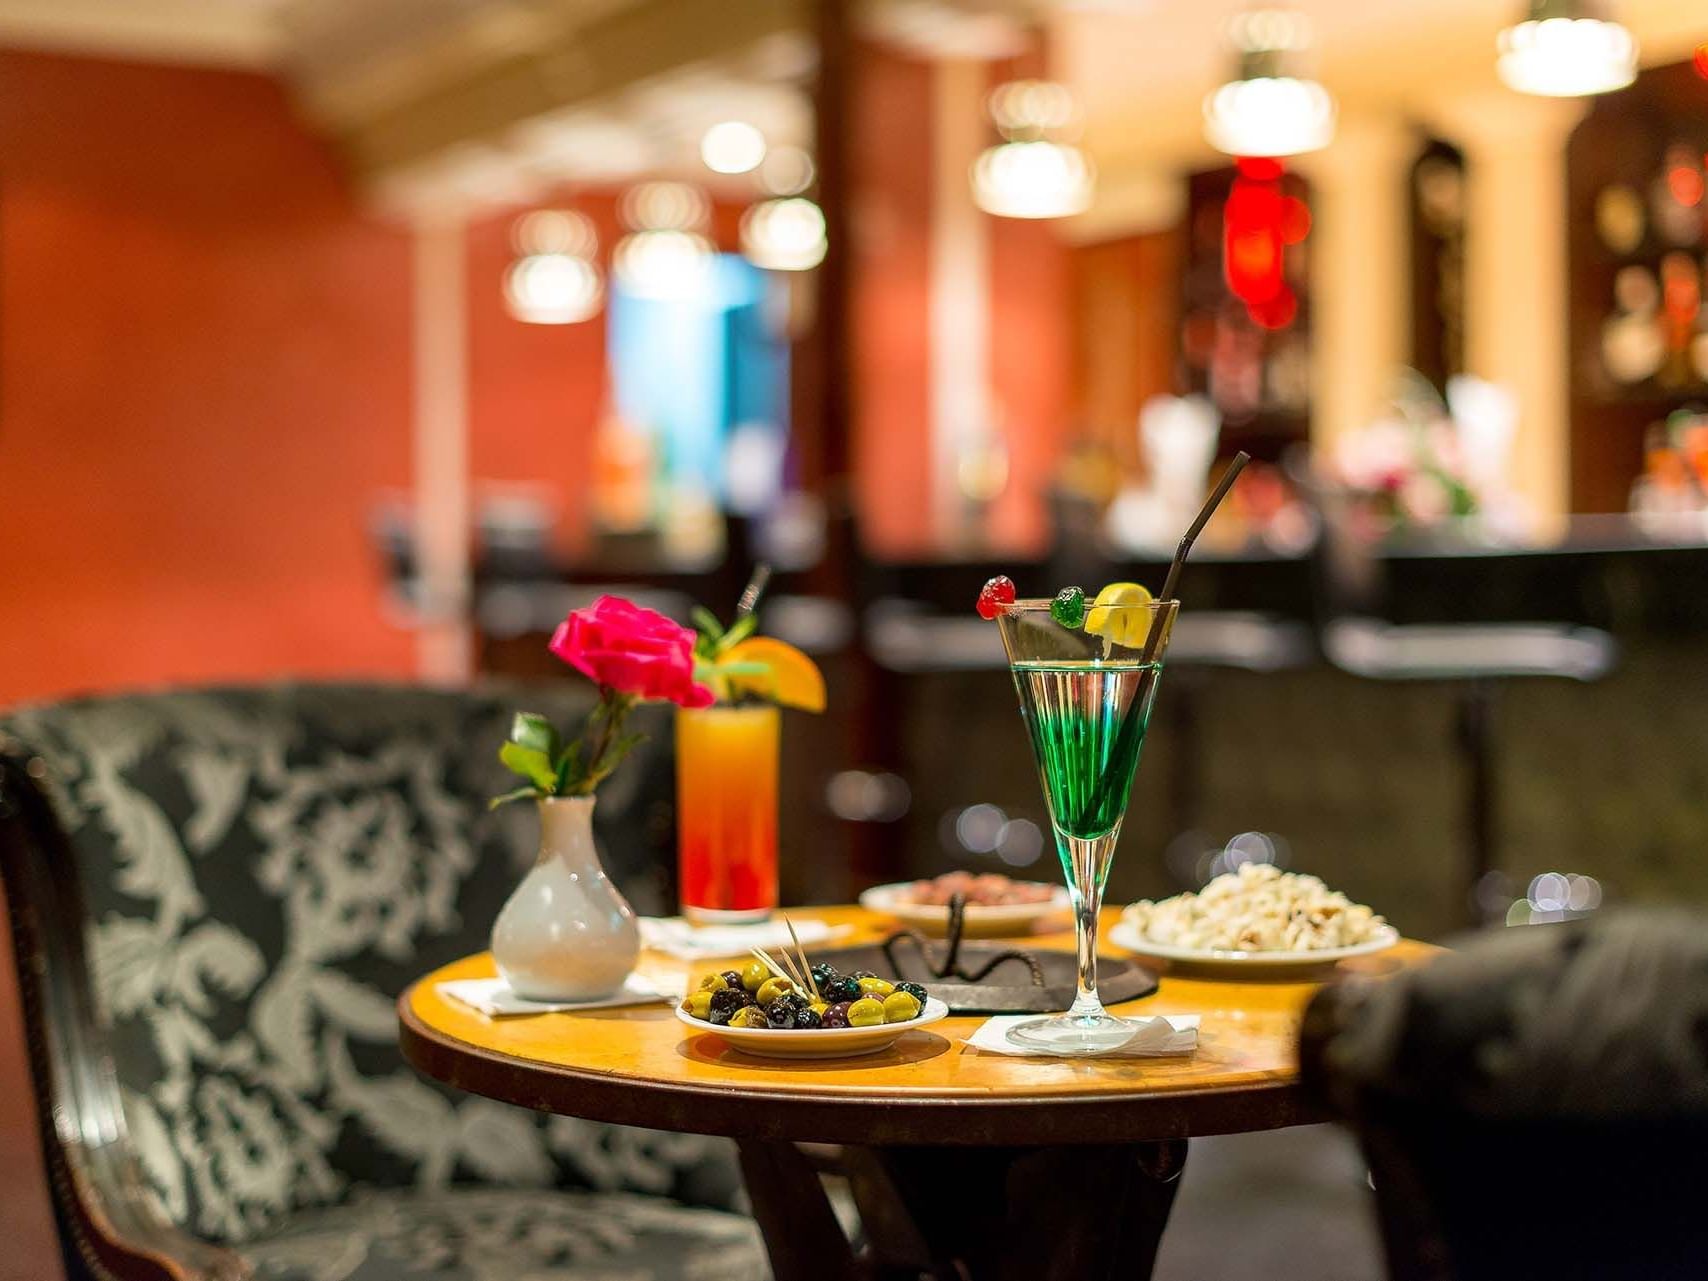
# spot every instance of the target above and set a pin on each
(801, 952)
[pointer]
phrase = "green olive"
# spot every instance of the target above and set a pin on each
(754, 976)
(713, 983)
(772, 988)
(866, 1012)
(818, 1007)
(899, 1007)
(876, 987)
(699, 1004)
(748, 1016)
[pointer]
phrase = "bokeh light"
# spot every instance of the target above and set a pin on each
(734, 146)
(784, 235)
(553, 289)
(1567, 57)
(865, 796)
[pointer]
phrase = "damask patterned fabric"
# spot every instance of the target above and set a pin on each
(477, 1235)
(264, 871)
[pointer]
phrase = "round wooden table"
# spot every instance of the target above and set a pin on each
(962, 1162)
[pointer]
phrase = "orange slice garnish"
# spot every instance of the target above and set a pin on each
(790, 678)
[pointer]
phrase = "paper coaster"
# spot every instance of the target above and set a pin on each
(493, 996)
(1153, 1037)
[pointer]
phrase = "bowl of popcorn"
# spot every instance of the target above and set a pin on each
(1257, 915)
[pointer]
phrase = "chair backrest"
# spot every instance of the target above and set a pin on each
(1533, 1105)
(259, 873)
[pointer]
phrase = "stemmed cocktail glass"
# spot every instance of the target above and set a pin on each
(1086, 698)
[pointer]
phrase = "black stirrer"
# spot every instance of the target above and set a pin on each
(1133, 725)
(754, 590)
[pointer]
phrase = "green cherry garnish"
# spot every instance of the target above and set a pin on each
(1068, 608)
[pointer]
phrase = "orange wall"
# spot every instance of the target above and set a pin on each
(536, 392)
(204, 374)
(1031, 352)
(204, 379)
(1031, 366)
(891, 162)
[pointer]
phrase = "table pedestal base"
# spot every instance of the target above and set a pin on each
(1082, 1213)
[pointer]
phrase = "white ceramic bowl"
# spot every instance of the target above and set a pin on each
(816, 1042)
(1125, 934)
(996, 921)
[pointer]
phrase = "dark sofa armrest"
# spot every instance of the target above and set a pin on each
(107, 1224)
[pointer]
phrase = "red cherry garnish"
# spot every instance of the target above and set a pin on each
(998, 592)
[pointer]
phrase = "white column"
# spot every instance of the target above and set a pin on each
(441, 474)
(1516, 291)
(959, 281)
(1360, 253)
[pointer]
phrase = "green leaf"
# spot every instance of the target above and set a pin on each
(740, 630)
(521, 793)
(568, 766)
(602, 768)
(741, 669)
(533, 730)
(530, 763)
(707, 622)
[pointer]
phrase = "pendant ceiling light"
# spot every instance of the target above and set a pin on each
(1264, 110)
(1567, 49)
(667, 255)
(1031, 174)
(732, 147)
(554, 280)
(784, 235)
(785, 231)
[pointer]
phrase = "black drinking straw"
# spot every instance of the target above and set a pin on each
(755, 588)
(1133, 725)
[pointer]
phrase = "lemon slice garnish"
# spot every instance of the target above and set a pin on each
(1112, 617)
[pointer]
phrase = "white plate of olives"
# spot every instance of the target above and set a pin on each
(751, 1017)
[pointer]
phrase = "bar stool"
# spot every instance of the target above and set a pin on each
(1477, 659)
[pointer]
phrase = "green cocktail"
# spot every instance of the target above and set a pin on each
(1086, 700)
(1074, 713)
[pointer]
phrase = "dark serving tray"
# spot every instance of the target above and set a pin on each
(1007, 989)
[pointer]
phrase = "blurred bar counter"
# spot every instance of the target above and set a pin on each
(918, 765)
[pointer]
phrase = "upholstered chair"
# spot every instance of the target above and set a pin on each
(216, 897)
(1534, 1104)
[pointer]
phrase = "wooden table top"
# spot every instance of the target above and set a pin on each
(640, 1066)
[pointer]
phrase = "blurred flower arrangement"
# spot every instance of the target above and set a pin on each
(1670, 498)
(1427, 461)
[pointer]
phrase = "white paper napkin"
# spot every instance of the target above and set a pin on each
(493, 996)
(1158, 1035)
(676, 937)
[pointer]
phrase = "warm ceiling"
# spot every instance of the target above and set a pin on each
(591, 88)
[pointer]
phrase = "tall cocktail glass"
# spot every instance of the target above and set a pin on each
(1086, 701)
(726, 812)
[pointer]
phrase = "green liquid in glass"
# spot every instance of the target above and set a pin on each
(1074, 713)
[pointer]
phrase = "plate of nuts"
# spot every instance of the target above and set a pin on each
(762, 1008)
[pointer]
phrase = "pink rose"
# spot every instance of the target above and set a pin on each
(616, 643)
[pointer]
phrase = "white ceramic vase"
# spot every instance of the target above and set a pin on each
(566, 934)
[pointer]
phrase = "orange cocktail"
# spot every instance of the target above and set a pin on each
(726, 812)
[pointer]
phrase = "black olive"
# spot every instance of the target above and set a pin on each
(725, 1002)
(841, 988)
(733, 978)
(807, 1017)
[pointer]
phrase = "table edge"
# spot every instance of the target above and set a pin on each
(1121, 1116)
